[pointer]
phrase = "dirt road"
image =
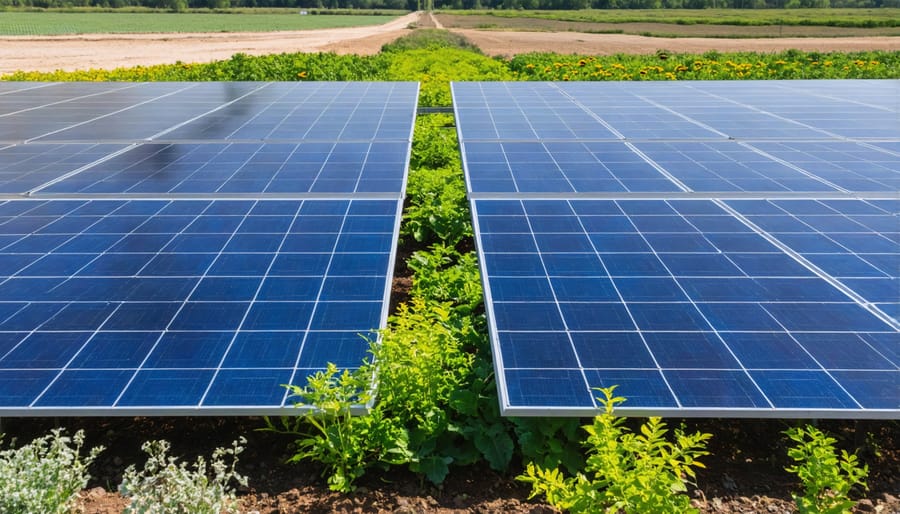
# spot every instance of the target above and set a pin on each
(116, 50)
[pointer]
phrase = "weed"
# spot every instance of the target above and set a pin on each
(634, 473)
(165, 487)
(44, 476)
(330, 434)
(826, 479)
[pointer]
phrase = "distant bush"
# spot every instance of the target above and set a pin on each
(432, 39)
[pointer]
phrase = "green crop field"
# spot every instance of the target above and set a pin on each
(59, 23)
(884, 17)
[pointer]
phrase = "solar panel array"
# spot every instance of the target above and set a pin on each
(712, 248)
(173, 248)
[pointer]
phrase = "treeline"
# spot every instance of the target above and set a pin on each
(446, 4)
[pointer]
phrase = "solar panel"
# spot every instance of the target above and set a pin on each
(142, 274)
(739, 258)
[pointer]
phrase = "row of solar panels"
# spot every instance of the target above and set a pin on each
(712, 248)
(173, 248)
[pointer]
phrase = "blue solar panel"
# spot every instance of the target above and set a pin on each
(289, 111)
(847, 165)
(191, 247)
(151, 304)
(661, 317)
(854, 241)
(713, 248)
(334, 167)
(25, 167)
(524, 167)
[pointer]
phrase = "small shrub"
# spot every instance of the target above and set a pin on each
(44, 476)
(826, 479)
(331, 434)
(430, 39)
(634, 473)
(165, 487)
(442, 274)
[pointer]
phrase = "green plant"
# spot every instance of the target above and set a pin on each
(550, 442)
(634, 473)
(166, 487)
(442, 274)
(44, 476)
(330, 434)
(826, 479)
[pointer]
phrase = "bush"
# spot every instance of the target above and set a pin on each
(164, 487)
(827, 480)
(634, 473)
(45, 476)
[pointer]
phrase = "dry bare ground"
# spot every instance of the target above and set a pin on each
(114, 50)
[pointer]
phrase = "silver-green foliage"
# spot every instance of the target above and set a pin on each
(44, 476)
(625, 472)
(827, 479)
(165, 486)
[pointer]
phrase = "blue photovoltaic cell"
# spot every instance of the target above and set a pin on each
(25, 167)
(730, 166)
(334, 167)
(522, 111)
(93, 112)
(854, 241)
(736, 324)
(158, 304)
(528, 167)
(851, 166)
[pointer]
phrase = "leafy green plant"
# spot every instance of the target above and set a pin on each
(549, 442)
(330, 434)
(430, 39)
(634, 473)
(827, 479)
(166, 487)
(443, 274)
(44, 476)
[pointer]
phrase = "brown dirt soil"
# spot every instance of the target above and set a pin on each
(451, 21)
(115, 50)
(745, 471)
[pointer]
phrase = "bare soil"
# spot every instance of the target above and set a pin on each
(70, 53)
(744, 474)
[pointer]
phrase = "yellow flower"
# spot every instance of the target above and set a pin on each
(529, 66)
(302, 74)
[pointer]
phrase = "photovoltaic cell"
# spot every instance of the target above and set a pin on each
(25, 167)
(712, 248)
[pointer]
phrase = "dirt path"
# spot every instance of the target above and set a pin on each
(68, 53)
(116, 50)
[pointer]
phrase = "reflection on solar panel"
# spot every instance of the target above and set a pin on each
(730, 252)
(194, 275)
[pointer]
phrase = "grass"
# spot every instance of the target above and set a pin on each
(61, 23)
(864, 18)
